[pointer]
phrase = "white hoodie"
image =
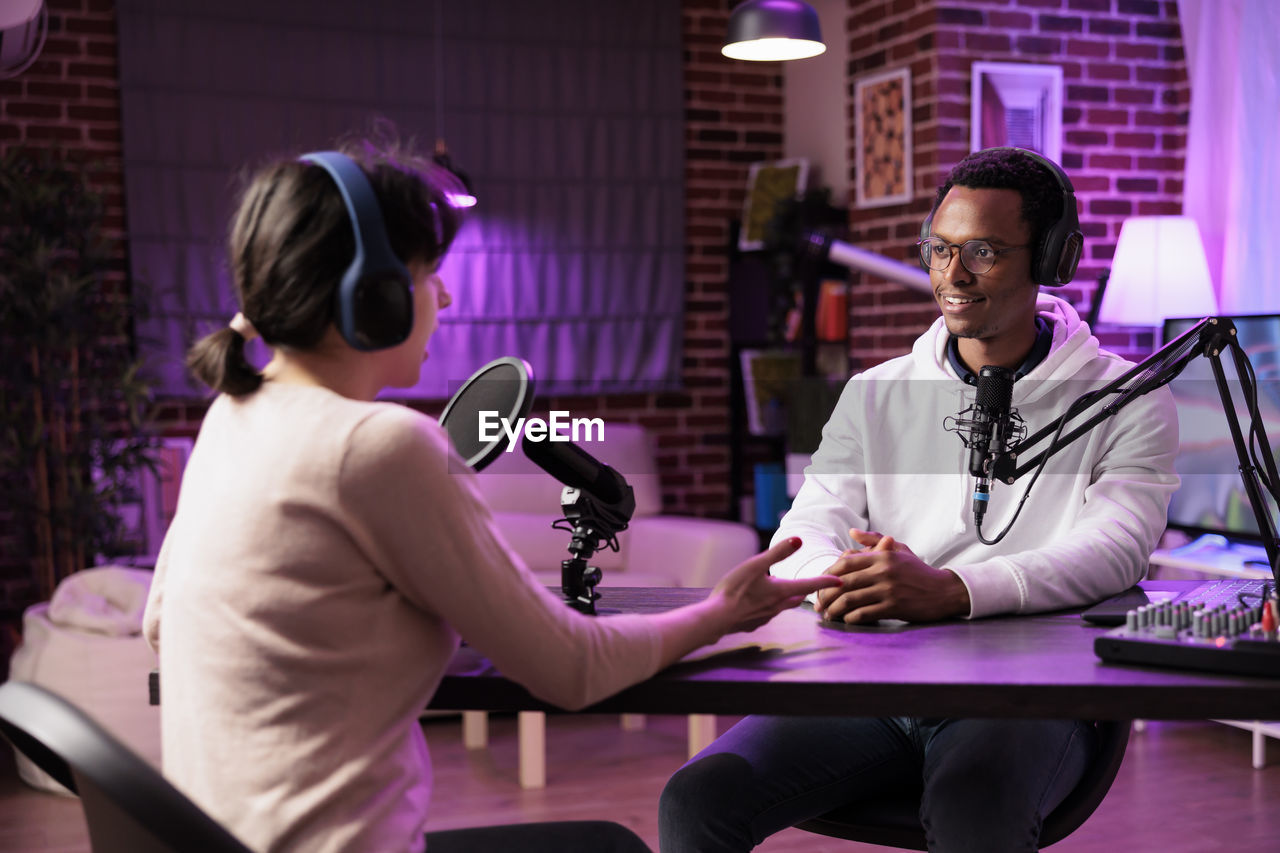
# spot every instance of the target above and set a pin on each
(886, 464)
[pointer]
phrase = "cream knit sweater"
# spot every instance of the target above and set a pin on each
(325, 557)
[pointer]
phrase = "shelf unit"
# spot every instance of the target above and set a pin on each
(753, 306)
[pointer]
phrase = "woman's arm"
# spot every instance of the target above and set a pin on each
(413, 507)
(745, 599)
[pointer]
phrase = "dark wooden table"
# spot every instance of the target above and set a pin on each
(1028, 666)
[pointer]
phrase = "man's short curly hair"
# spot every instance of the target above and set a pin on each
(1011, 169)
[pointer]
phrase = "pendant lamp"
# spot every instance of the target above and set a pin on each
(24, 24)
(772, 30)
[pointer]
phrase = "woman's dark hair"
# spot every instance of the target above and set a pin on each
(291, 240)
(1011, 169)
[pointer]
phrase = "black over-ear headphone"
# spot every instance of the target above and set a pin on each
(1058, 253)
(375, 296)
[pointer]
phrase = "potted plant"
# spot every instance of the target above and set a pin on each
(74, 412)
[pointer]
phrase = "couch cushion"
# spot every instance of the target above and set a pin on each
(515, 484)
(102, 600)
(86, 645)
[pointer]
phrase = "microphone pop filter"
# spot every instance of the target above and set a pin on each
(504, 386)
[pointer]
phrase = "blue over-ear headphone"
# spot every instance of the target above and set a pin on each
(1058, 254)
(375, 296)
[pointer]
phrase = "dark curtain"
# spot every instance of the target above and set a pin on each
(568, 116)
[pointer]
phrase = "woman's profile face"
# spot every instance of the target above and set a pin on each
(429, 297)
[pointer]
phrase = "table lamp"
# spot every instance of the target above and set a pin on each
(1159, 271)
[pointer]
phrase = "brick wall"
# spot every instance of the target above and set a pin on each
(734, 117)
(69, 99)
(887, 317)
(1126, 97)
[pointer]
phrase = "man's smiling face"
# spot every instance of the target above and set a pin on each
(990, 305)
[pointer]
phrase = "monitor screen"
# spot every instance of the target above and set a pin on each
(1212, 498)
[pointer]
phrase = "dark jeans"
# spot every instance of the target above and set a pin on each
(984, 785)
(578, 836)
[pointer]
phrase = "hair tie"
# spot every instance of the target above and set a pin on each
(241, 326)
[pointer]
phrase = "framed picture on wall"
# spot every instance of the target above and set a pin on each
(767, 184)
(1017, 104)
(882, 138)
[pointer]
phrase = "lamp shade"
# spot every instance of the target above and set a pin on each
(771, 30)
(23, 27)
(1159, 271)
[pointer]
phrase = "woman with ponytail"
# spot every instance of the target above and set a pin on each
(329, 551)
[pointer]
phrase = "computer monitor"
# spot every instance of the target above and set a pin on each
(1211, 498)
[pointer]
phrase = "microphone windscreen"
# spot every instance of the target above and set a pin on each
(991, 408)
(995, 388)
(503, 388)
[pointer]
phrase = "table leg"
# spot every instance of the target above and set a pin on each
(702, 731)
(531, 729)
(632, 722)
(475, 729)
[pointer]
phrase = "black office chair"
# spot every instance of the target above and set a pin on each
(128, 805)
(895, 821)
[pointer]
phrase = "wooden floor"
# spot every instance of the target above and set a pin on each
(1183, 788)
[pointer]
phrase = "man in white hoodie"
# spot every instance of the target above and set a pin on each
(886, 506)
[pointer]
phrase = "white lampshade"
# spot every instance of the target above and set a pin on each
(1159, 271)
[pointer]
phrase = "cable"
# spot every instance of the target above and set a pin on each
(1084, 401)
(1154, 376)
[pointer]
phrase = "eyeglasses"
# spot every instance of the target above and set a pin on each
(977, 256)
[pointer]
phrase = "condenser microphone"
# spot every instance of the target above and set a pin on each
(577, 468)
(990, 431)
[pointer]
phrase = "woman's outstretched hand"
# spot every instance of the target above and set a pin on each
(745, 599)
(750, 596)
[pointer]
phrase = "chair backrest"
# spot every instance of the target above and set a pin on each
(128, 805)
(895, 822)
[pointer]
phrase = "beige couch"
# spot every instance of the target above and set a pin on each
(86, 645)
(657, 549)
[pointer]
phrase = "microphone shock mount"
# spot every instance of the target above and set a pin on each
(592, 524)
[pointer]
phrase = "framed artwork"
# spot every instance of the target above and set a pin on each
(767, 184)
(882, 138)
(1017, 104)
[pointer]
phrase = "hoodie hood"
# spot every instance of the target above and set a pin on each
(1073, 355)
